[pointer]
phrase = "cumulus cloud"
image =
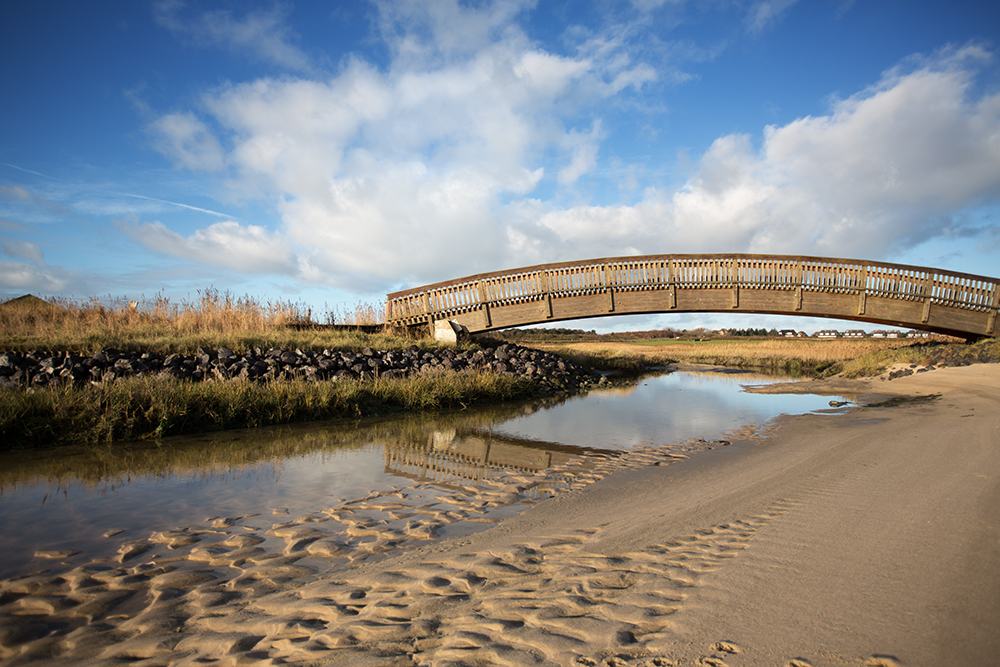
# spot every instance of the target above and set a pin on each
(405, 171)
(429, 168)
(260, 33)
(229, 245)
(885, 170)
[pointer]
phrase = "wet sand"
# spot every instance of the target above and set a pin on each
(870, 537)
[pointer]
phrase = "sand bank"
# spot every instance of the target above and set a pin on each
(865, 538)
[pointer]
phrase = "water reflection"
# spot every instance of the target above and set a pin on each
(456, 460)
(71, 499)
(662, 409)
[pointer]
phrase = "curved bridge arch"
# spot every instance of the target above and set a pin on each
(956, 304)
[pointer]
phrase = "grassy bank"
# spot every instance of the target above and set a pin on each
(151, 407)
(796, 357)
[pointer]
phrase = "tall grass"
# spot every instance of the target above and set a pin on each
(156, 406)
(366, 314)
(792, 356)
(214, 319)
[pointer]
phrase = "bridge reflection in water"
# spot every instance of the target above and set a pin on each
(454, 460)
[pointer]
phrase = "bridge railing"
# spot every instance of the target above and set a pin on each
(656, 272)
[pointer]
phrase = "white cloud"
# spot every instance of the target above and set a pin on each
(33, 200)
(19, 277)
(25, 250)
(427, 33)
(185, 139)
(229, 245)
(885, 170)
(427, 168)
(402, 172)
(583, 151)
(262, 34)
(766, 12)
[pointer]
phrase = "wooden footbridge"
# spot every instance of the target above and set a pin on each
(956, 304)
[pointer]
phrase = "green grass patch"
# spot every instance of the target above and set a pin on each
(153, 407)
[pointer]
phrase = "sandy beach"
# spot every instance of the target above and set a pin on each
(869, 536)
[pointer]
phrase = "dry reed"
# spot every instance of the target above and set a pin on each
(215, 319)
(363, 314)
(792, 356)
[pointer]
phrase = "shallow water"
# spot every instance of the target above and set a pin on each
(66, 499)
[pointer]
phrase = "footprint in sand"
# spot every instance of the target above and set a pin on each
(709, 661)
(882, 661)
(726, 647)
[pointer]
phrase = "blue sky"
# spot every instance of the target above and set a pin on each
(327, 153)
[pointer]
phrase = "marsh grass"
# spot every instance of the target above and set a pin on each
(781, 355)
(153, 407)
(158, 325)
(361, 314)
(923, 354)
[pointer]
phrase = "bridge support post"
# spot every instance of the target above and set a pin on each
(547, 291)
(798, 289)
(863, 294)
(427, 314)
(927, 291)
(484, 304)
(671, 283)
(608, 289)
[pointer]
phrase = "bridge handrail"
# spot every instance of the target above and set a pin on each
(689, 271)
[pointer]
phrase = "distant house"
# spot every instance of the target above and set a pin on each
(892, 333)
(879, 333)
(787, 333)
(827, 333)
(854, 333)
(918, 334)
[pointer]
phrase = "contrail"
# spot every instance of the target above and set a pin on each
(193, 208)
(14, 166)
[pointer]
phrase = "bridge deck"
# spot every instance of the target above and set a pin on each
(917, 297)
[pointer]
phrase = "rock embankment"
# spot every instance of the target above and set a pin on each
(41, 368)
